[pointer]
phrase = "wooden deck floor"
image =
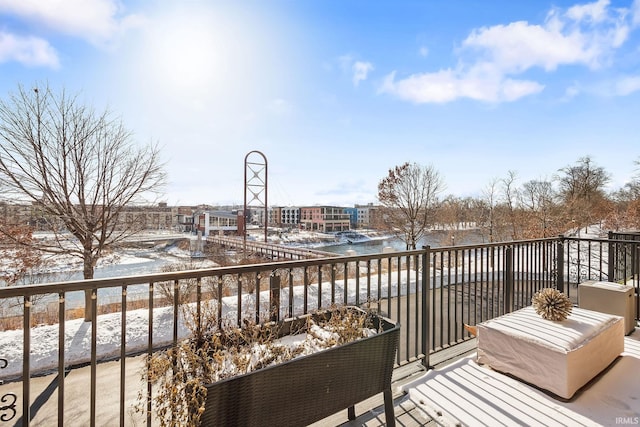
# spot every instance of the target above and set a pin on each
(610, 398)
(370, 413)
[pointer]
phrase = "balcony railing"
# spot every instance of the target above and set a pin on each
(432, 292)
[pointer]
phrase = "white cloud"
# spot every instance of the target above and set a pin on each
(95, 20)
(361, 71)
(635, 13)
(516, 47)
(30, 51)
(591, 12)
(571, 92)
(423, 51)
(438, 87)
(511, 90)
(490, 58)
(622, 85)
(447, 85)
(627, 85)
(358, 70)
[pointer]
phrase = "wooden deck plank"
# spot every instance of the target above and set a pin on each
(370, 412)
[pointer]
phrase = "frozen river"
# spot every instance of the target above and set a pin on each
(130, 262)
(434, 239)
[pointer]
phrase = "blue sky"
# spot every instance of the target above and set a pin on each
(336, 92)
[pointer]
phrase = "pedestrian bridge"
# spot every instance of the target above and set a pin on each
(268, 250)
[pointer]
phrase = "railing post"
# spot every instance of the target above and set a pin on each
(61, 354)
(150, 351)
(26, 363)
(508, 280)
(176, 310)
(426, 308)
(560, 262)
(636, 281)
(635, 262)
(611, 259)
(94, 358)
(274, 294)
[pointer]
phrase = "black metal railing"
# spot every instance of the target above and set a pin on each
(432, 292)
(470, 284)
(624, 256)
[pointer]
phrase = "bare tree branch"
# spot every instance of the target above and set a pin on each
(409, 194)
(79, 166)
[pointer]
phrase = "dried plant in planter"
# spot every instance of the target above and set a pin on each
(179, 374)
(552, 304)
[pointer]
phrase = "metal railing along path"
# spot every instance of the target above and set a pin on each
(269, 250)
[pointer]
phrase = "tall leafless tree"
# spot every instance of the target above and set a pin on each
(626, 211)
(510, 200)
(454, 214)
(538, 201)
(409, 194)
(490, 201)
(583, 180)
(582, 189)
(631, 190)
(80, 167)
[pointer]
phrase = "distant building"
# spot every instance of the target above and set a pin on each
(353, 217)
(144, 217)
(275, 216)
(185, 220)
(289, 217)
(326, 219)
(15, 213)
(216, 222)
(149, 217)
(208, 219)
(367, 215)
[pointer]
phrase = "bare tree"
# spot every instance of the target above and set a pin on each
(584, 180)
(510, 199)
(19, 263)
(408, 195)
(631, 190)
(79, 167)
(490, 194)
(581, 188)
(625, 214)
(454, 214)
(538, 201)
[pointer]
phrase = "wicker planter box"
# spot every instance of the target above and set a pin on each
(306, 389)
